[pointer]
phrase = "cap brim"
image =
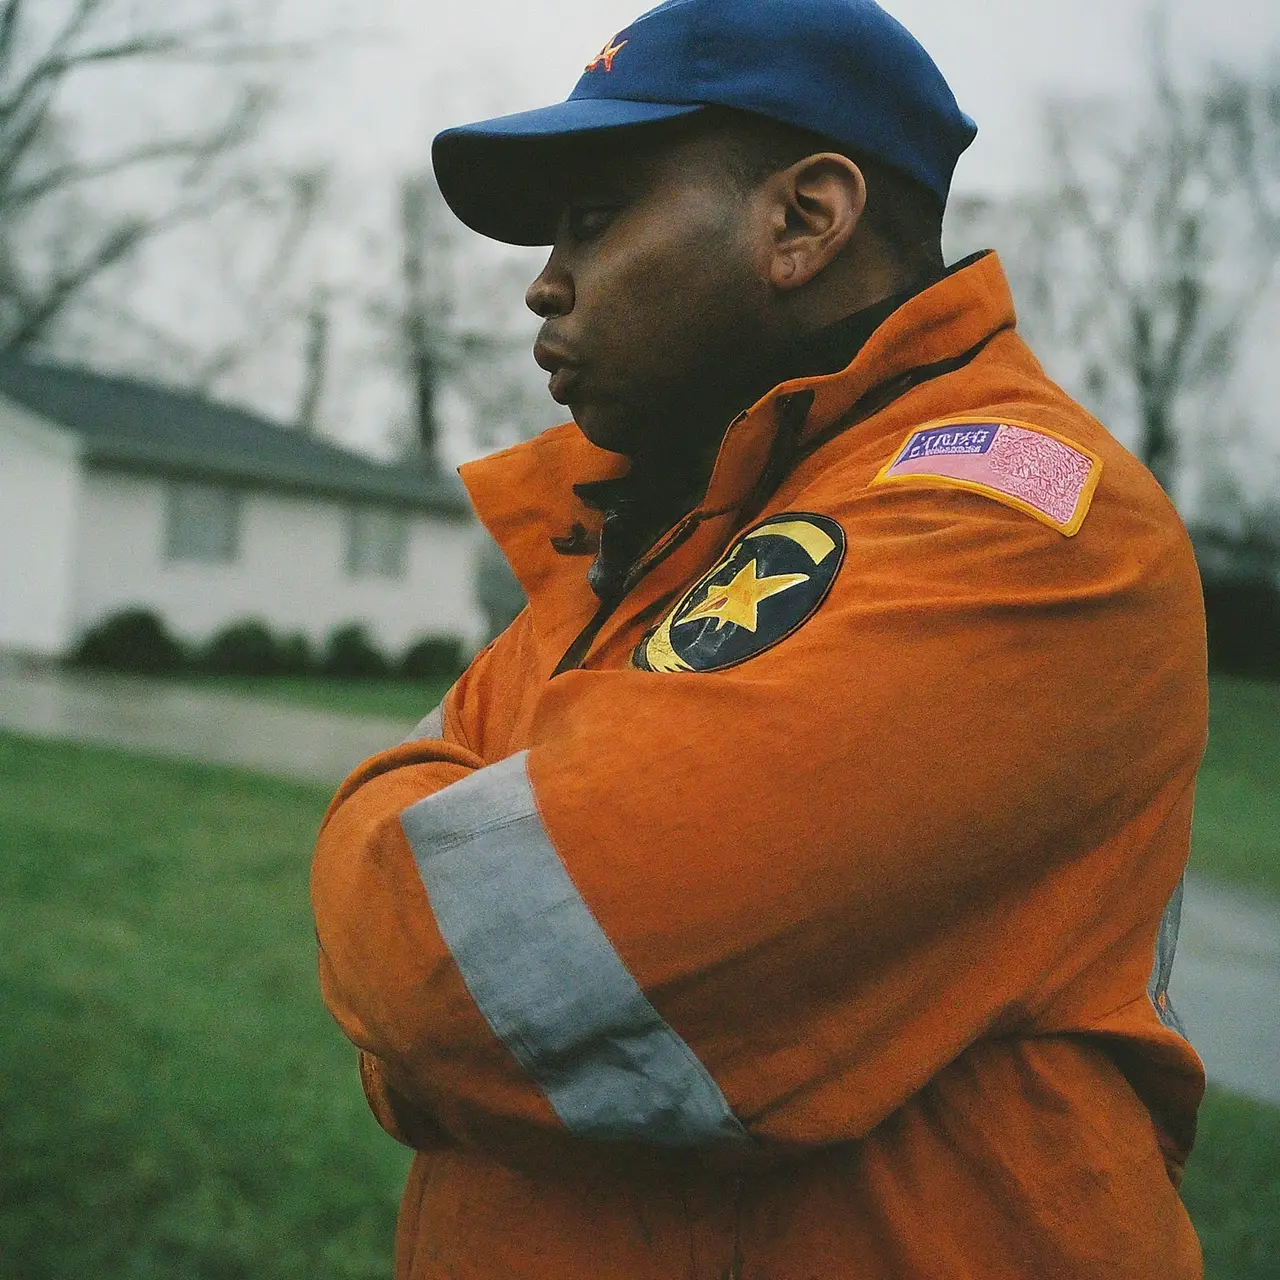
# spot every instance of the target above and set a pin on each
(505, 177)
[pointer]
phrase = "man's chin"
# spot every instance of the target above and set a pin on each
(602, 429)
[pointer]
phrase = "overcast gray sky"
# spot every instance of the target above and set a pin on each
(430, 63)
(370, 102)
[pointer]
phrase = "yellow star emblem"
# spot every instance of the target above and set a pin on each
(606, 56)
(738, 602)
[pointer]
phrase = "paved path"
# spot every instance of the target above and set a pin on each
(1226, 986)
(1226, 982)
(212, 727)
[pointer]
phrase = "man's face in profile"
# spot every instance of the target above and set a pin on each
(651, 297)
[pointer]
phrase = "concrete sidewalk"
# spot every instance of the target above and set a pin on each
(1226, 985)
(194, 724)
(1226, 982)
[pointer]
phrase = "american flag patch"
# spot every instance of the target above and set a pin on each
(1024, 466)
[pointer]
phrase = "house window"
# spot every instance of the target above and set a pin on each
(203, 523)
(377, 543)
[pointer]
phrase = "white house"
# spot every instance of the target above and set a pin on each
(115, 494)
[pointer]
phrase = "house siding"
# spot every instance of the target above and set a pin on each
(290, 571)
(39, 492)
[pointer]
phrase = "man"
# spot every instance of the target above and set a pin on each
(784, 894)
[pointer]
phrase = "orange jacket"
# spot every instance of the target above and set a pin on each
(804, 925)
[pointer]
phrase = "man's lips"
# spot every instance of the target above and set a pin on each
(560, 384)
(562, 369)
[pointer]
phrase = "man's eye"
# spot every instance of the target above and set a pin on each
(588, 220)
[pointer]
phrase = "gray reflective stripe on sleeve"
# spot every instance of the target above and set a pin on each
(1162, 968)
(546, 977)
(430, 726)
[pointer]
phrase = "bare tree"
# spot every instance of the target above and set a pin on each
(450, 320)
(274, 211)
(430, 344)
(1141, 264)
(315, 360)
(71, 211)
(459, 340)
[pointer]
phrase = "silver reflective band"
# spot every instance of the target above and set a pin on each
(430, 726)
(1162, 969)
(546, 977)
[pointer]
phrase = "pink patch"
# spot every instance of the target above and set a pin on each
(1043, 472)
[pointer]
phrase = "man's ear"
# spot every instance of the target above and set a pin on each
(817, 205)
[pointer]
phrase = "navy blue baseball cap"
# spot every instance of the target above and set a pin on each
(843, 69)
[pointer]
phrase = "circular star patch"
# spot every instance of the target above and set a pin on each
(768, 584)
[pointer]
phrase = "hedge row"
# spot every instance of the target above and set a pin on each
(1243, 617)
(1244, 627)
(139, 642)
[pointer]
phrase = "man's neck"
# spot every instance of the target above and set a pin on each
(685, 456)
(666, 483)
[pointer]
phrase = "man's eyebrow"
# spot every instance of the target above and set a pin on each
(610, 172)
(602, 185)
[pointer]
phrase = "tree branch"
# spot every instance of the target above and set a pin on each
(8, 31)
(42, 72)
(113, 247)
(236, 129)
(60, 225)
(305, 193)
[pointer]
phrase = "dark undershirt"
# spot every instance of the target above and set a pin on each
(656, 493)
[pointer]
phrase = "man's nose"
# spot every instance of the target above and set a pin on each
(551, 294)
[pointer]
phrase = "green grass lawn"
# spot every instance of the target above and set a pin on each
(1232, 1188)
(1237, 823)
(407, 700)
(174, 1099)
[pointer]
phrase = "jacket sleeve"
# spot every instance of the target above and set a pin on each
(440, 751)
(771, 902)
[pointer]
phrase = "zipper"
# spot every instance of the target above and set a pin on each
(789, 424)
(667, 545)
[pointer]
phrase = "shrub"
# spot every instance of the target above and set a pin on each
(133, 640)
(250, 648)
(433, 658)
(1244, 627)
(350, 654)
(296, 657)
(245, 648)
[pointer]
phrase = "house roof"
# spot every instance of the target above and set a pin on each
(126, 424)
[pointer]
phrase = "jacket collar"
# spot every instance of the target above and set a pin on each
(525, 496)
(940, 323)
(653, 495)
